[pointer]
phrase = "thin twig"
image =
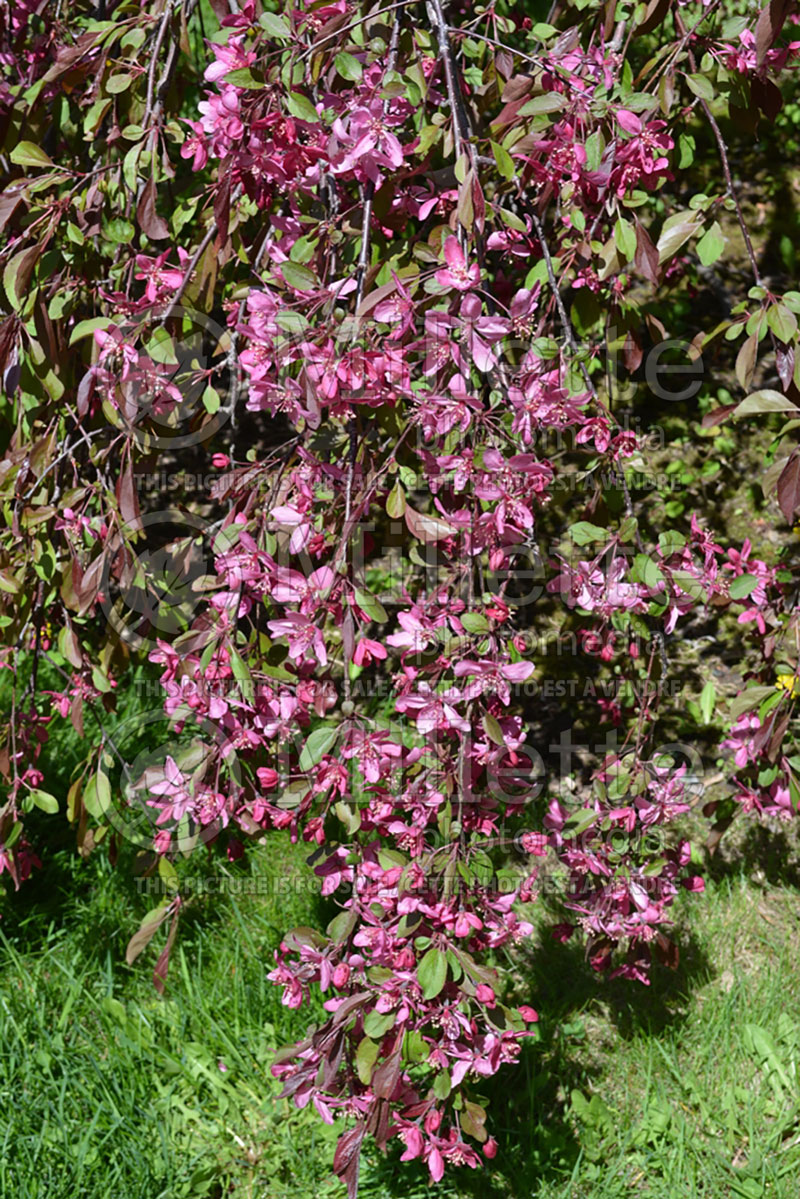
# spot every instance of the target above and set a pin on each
(151, 74)
(460, 132)
(726, 168)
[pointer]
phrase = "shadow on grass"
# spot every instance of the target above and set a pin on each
(529, 1103)
(108, 901)
(767, 854)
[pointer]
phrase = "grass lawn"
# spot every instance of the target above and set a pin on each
(687, 1088)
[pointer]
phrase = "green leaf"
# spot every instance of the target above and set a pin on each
(782, 322)
(366, 1057)
(371, 605)
(432, 973)
(303, 249)
(299, 277)
(708, 698)
(648, 571)
(341, 926)
(44, 800)
(578, 822)
(686, 147)
(240, 671)
(548, 102)
(130, 166)
(291, 322)
(348, 67)
(26, 154)
(711, 245)
(396, 501)
(492, 729)
(670, 541)
(133, 39)
(675, 231)
(86, 328)
(14, 835)
(94, 115)
(415, 1047)
(97, 796)
(749, 700)
(100, 681)
(505, 163)
(594, 146)
(377, 1024)
(302, 108)
(118, 83)
(244, 77)
(211, 400)
(317, 745)
(442, 1085)
(119, 231)
(764, 401)
(475, 622)
(625, 238)
(743, 586)
(274, 25)
(584, 533)
(701, 86)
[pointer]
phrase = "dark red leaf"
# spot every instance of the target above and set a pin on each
(632, 351)
(784, 360)
(68, 57)
(766, 96)
(347, 1157)
(478, 204)
(222, 203)
(44, 329)
(776, 740)
(9, 202)
(324, 32)
(162, 965)
(769, 25)
(386, 1076)
(89, 585)
(646, 257)
(610, 15)
(517, 87)
(9, 331)
(152, 225)
(377, 1122)
(789, 487)
(128, 499)
(144, 935)
(654, 14)
(85, 392)
(221, 9)
(717, 833)
(717, 415)
(76, 714)
(566, 43)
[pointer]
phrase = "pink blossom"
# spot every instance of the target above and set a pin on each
(457, 274)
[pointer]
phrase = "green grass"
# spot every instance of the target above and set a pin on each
(689, 1087)
(108, 1089)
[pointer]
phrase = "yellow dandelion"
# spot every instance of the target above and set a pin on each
(790, 683)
